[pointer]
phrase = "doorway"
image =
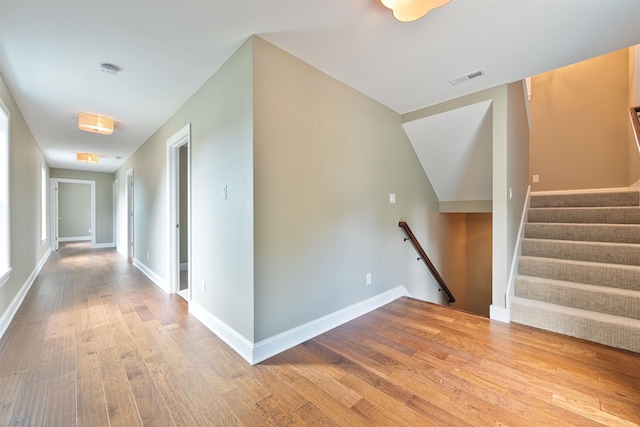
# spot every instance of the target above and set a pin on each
(130, 216)
(73, 211)
(179, 208)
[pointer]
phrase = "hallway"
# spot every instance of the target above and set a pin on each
(96, 340)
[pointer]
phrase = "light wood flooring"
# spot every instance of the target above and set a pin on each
(96, 344)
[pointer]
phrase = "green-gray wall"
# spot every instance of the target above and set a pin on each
(510, 163)
(104, 199)
(326, 158)
(27, 248)
(74, 210)
(309, 164)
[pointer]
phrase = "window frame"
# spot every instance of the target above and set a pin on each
(5, 223)
(43, 202)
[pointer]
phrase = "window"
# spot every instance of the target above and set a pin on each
(43, 203)
(5, 248)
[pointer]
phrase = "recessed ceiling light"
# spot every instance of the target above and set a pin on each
(109, 68)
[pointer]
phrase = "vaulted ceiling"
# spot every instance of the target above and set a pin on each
(51, 51)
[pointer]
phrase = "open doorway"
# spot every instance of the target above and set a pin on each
(179, 208)
(73, 211)
(130, 216)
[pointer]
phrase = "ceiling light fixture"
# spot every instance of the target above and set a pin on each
(411, 10)
(87, 157)
(96, 124)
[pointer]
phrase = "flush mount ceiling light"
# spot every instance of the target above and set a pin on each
(95, 124)
(87, 157)
(411, 10)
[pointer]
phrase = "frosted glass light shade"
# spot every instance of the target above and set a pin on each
(87, 157)
(411, 10)
(95, 124)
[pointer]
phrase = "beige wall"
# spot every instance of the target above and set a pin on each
(468, 267)
(579, 131)
(27, 249)
(479, 261)
(453, 268)
(633, 144)
(104, 200)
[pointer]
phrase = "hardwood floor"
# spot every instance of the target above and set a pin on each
(96, 344)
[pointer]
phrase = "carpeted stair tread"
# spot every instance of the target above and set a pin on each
(602, 299)
(613, 233)
(609, 253)
(592, 273)
(615, 331)
(611, 215)
(617, 198)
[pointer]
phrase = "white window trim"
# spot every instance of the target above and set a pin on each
(43, 201)
(4, 275)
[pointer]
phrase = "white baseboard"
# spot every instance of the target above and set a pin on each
(237, 342)
(155, 278)
(103, 245)
(262, 350)
(122, 251)
(500, 314)
(285, 340)
(11, 311)
(184, 266)
(75, 239)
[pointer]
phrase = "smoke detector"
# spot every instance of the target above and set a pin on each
(109, 68)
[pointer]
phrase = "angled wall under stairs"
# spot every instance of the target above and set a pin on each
(579, 272)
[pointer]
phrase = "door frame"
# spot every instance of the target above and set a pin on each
(55, 227)
(179, 139)
(130, 213)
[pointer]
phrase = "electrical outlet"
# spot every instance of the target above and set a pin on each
(204, 286)
(368, 279)
(536, 178)
(147, 255)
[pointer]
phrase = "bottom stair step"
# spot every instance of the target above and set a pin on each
(614, 331)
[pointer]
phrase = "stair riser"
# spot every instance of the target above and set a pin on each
(615, 335)
(591, 252)
(624, 277)
(584, 232)
(627, 215)
(598, 300)
(626, 198)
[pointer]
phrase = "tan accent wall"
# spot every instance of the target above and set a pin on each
(479, 261)
(634, 101)
(579, 125)
(454, 267)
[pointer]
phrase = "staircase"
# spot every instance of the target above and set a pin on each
(579, 273)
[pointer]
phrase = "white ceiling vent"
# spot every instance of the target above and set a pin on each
(468, 76)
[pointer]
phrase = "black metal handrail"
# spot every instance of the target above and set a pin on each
(425, 258)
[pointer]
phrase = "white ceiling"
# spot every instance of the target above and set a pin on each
(457, 159)
(50, 52)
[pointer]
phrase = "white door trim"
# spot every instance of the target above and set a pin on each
(130, 212)
(180, 138)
